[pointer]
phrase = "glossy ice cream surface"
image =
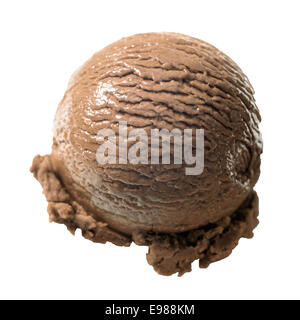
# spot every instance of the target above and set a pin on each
(164, 81)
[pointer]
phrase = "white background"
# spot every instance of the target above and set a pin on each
(41, 44)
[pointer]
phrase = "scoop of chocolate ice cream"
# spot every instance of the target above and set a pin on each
(162, 81)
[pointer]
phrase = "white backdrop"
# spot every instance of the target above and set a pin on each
(42, 43)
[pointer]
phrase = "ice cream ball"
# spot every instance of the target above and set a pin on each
(148, 83)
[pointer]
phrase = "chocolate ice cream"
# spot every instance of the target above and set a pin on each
(162, 81)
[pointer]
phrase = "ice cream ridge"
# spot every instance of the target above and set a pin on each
(116, 190)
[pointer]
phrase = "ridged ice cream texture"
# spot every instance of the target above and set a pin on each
(164, 81)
